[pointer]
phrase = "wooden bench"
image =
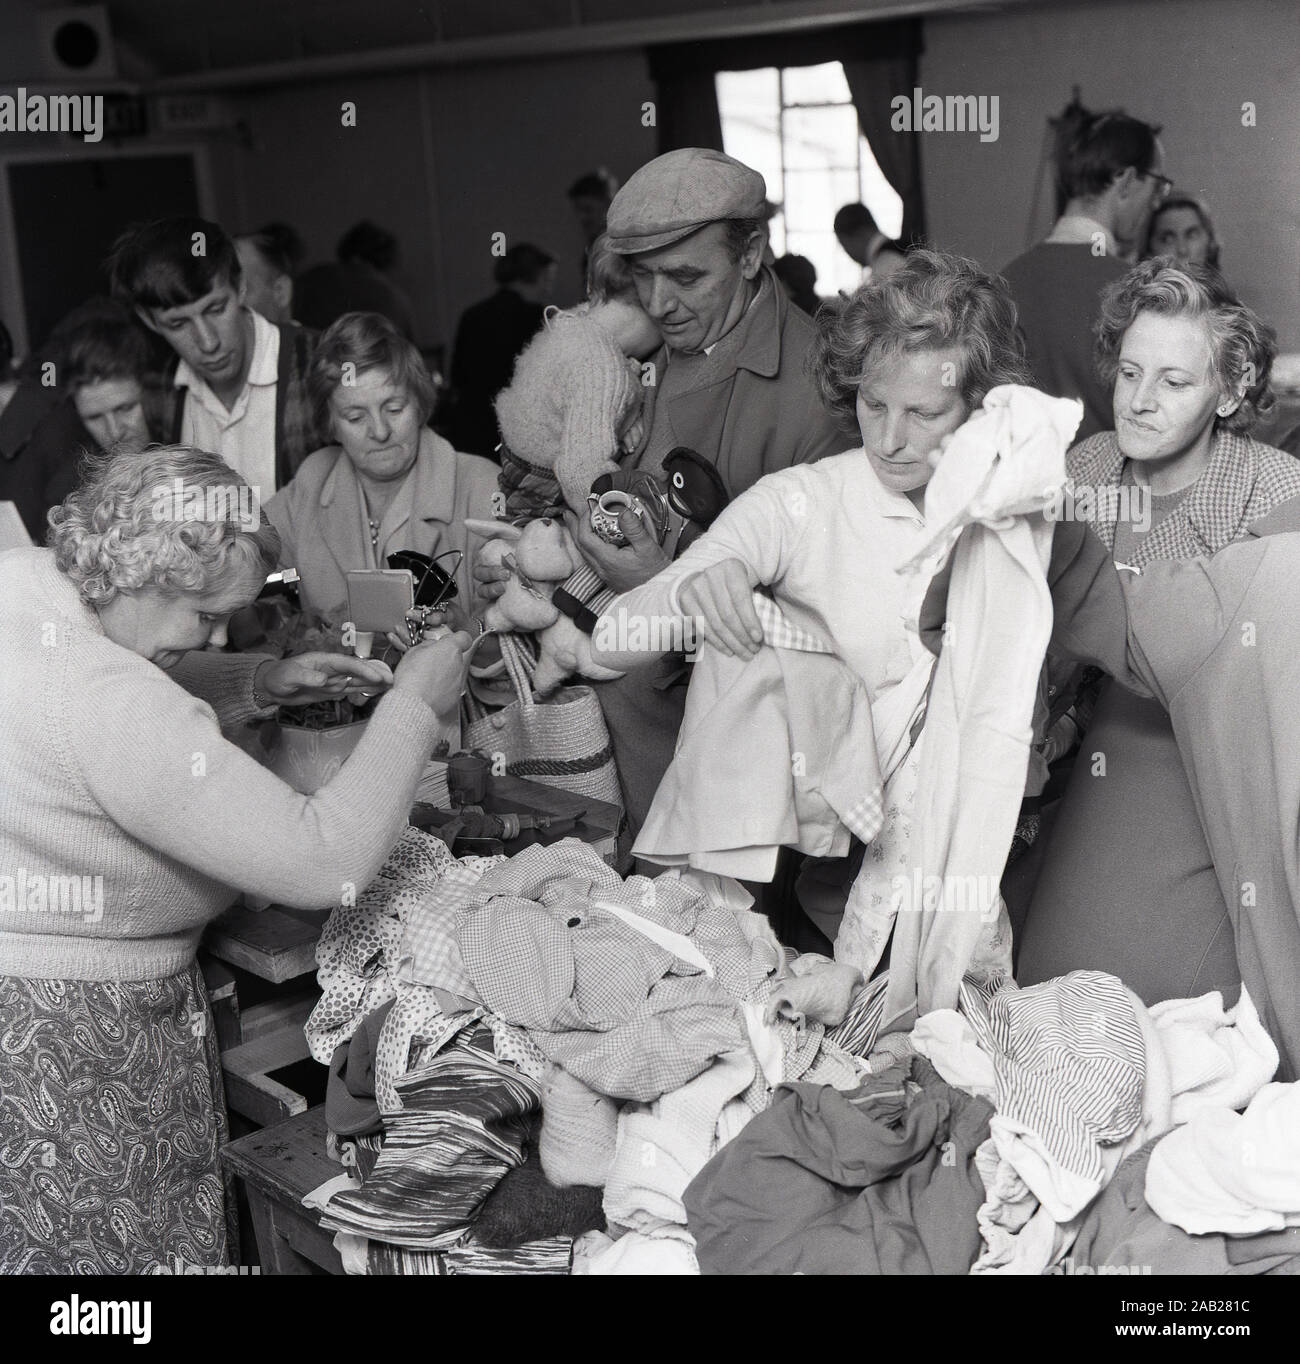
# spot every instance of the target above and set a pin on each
(279, 1166)
(268, 956)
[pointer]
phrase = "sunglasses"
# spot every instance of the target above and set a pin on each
(434, 585)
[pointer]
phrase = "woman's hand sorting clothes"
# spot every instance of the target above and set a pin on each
(304, 678)
(722, 597)
(435, 672)
(621, 567)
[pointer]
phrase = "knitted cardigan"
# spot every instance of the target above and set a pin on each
(572, 388)
(126, 818)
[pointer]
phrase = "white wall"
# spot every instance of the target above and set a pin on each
(1186, 64)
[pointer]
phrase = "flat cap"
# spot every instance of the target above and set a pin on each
(679, 193)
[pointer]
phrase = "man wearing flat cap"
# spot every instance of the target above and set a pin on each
(730, 383)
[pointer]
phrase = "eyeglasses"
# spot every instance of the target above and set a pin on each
(1164, 185)
(434, 584)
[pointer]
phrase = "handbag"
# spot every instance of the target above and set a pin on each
(562, 741)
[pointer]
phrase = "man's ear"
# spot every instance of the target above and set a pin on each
(1126, 181)
(282, 290)
(751, 259)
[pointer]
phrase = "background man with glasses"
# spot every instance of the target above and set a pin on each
(1111, 173)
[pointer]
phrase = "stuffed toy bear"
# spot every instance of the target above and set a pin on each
(541, 556)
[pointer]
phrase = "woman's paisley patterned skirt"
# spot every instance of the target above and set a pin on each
(112, 1116)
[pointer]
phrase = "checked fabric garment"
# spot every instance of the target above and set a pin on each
(550, 947)
(400, 931)
(775, 751)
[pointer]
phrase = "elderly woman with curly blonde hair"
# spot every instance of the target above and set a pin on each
(127, 820)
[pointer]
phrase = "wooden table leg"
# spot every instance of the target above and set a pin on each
(276, 1254)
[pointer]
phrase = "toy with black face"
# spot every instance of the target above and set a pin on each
(695, 488)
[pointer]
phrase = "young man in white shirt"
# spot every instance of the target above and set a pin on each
(239, 386)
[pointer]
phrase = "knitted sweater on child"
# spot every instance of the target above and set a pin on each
(125, 816)
(571, 390)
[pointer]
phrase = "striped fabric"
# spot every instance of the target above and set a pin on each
(589, 588)
(1070, 1063)
(551, 1256)
(422, 1022)
(860, 1026)
(463, 1123)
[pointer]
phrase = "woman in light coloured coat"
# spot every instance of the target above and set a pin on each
(389, 483)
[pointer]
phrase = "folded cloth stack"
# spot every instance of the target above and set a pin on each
(462, 1124)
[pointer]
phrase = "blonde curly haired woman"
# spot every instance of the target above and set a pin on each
(127, 819)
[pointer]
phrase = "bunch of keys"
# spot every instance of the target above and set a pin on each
(419, 629)
(433, 586)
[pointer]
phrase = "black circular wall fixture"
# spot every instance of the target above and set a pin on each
(76, 44)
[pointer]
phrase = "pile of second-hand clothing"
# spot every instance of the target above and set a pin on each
(1056, 1129)
(524, 1050)
(540, 1066)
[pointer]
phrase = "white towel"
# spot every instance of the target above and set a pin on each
(1237, 1173)
(1217, 1058)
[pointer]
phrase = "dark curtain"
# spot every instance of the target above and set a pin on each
(880, 62)
(686, 110)
(873, 83)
